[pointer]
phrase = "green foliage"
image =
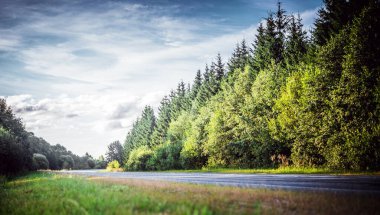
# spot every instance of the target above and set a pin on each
(166, 157)
(11, 153)
(113, 165)
(40, 161)
(287, 102)
(193, 154)
(115, 152)
(66, 162)
(141, 132)
(100, 163)
(138, 159)
(91, 163)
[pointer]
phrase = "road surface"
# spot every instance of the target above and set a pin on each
(361, 184)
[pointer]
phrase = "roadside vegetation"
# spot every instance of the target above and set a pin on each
(46, 193)
(301, 102)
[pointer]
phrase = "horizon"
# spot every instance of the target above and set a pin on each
(79, 73)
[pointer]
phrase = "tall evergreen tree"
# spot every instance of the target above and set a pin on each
(219, 68)
(281, 22)
(296, 43)
(260, 52)
(141, 132)
(197, 84)
(334, 16)
(162, 124)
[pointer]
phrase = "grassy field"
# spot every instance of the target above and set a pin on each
(281, 170)
(47, 193)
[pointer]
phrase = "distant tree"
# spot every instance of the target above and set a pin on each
(240, 58)
(115, 152)
(40, 161)
(91, 163)
(196, 85)
(219, 68)
(100, 163)
(66, 162)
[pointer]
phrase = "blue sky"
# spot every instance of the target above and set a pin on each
(79, 72)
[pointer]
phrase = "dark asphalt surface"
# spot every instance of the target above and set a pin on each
(361, 184)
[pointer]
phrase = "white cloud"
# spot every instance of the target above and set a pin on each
(308, 17)
(8, 42)
(70, 120)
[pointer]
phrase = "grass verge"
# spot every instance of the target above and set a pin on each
(47, 193)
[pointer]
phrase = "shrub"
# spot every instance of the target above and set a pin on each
(165, 157)
(138, 159)
(40, 161)
(113, 165)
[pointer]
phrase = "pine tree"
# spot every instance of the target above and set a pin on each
(162, 124)
(281, 22)
(334, 16)
(260, 50)
(296, 43)
(141, 132)
(234, 60)
(196, 85)
(240, 58)
(219, 68)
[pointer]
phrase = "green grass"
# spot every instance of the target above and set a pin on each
(44, 193)
(48, 193)
(281, 170)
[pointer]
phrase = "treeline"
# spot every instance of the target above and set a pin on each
(286, 99)
(21, 150)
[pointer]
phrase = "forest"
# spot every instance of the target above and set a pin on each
(288, 98)
(22, 151)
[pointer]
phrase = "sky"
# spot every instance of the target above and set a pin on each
(80, 72)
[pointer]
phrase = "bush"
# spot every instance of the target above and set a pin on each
(165, 157)
(40, 161)
(113, 165)
(138, 159)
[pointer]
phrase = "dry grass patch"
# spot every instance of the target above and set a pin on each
(248, 201)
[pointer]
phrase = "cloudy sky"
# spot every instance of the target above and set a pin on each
(79, 72)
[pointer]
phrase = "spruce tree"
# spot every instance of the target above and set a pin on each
(197, 84)
(219, 68)
(296, 43)
(162, 124)
(281, 22)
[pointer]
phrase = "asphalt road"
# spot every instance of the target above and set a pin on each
(361, 184)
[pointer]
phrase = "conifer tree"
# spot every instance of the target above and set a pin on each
(296, 43)
(196, 85)
(219, 68)
(162, 124)
(281, 22)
